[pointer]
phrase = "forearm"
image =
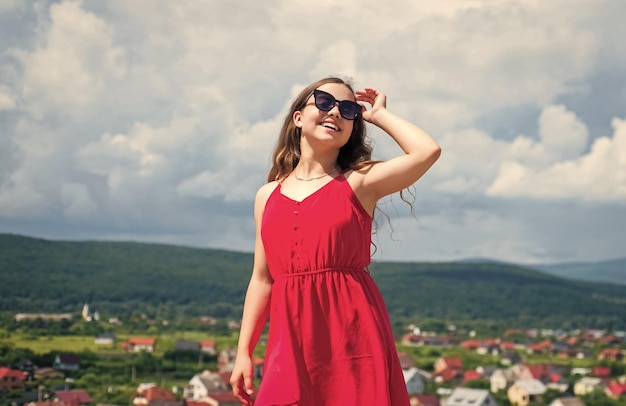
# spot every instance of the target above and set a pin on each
(255, 313)
(410, 138)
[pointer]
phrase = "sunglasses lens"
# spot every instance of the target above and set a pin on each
(324, 101)
(349, 110)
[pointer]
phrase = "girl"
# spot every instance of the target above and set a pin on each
(330, 340)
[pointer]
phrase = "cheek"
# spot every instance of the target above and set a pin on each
(348, 128)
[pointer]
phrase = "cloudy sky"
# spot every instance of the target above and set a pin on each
(154, 120)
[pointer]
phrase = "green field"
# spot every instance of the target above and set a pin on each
(164, 343)
(45, 344)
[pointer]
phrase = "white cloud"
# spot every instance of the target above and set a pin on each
(469, 160)
(599, 175)
(562, 134)
(78, 201)
(22, 201)
(7, 101)
(69, 69)
(6, 5)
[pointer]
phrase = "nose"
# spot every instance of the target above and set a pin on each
(335, 109)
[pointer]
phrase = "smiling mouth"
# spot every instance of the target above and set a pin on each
(331, 126)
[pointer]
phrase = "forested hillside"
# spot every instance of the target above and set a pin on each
(161, 280)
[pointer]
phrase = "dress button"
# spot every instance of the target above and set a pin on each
(295, 212)
(295, 227)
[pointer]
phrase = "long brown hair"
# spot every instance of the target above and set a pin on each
(353, 155)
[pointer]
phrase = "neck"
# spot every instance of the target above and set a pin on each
(309, 171)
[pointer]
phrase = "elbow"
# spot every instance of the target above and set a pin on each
(435, 153)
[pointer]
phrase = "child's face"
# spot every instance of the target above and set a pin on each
(328, 126)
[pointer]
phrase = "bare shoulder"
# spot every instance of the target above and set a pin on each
(264, 193)
(357, 177)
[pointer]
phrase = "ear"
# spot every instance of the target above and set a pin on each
(297, 118)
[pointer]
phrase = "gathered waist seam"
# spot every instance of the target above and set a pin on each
(321, 270)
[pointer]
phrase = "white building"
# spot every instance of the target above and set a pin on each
(525, 391)
(201, 385)
(587, 384)
(414, 381)
(501, 379)
(469, 397)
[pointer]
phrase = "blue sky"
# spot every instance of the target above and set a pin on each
(154, 121)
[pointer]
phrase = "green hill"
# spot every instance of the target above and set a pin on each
(163, 280)
(612, 271)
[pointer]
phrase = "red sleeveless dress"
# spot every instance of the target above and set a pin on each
(330, 341)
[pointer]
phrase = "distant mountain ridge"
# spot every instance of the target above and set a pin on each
(611, 271)
(607, 271)
(167, 281)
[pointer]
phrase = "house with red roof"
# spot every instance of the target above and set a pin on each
(610, 339)
(489, 346)
(449, 375)
(73, 397)
(425, 400)
(611, 354)
(539, 348)
(507, 345)
(471, 375)
(152, 394)
(537, 371)
(557, 382)
(601, 372)
(448, 369)
(208, 346)
(448, 363)
(471, 345)
(615, 389)
(138, 344)
(223, 399)
(11, 379)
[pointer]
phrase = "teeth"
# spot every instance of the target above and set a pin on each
(331, 126)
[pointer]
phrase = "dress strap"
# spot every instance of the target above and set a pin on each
(281, 180)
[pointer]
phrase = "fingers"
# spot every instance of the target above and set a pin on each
(370, 95)
(247, 380)
(241, 392)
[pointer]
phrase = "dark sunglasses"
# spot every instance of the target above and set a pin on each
(326, 101)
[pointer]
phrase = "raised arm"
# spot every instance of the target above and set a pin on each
(393, 175)
(255, 310)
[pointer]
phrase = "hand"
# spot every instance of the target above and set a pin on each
(241, 379)
(375, 98)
